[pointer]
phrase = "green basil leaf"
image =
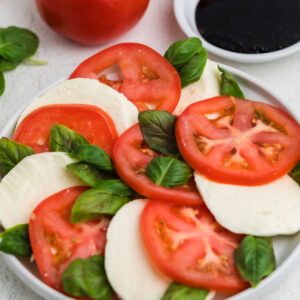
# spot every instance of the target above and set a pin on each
(89, 174)
(116, 186)
(255, 259)
(229, 86)
(193, 69)
(2, 83)
(295, 173)
(182, 51)
(16, 43)
(87, 278)
(158, 129)
(63, 139)
(15, 241)
(95, 203)
(177, 291)
(11, 153)
(6, 65)
(188, 58)
(168, 171)
(94, 156)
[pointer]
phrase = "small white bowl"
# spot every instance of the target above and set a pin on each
(185, 16)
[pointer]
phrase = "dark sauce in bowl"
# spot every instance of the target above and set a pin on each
(249, 26)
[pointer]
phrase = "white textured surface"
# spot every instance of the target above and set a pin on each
(158, 29)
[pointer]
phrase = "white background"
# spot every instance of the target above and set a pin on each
(158, 29)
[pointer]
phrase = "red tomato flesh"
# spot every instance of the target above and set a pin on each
(148, 79)
(131, 155)
(56, 242)
(188, 245)
(90, 121)
(248, 143)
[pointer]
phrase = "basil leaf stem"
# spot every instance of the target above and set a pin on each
(168, 171)
(255, 259)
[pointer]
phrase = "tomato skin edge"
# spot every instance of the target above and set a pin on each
(228, 176)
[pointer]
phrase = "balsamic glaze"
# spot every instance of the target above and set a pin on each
(249, 26)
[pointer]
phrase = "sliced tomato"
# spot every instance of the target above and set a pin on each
(188, 245)
(131, 155)
(56, 242)
(147, 78)
(245, 143)
(88, 120)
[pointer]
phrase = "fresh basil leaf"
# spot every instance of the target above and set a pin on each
(17, 44)
(177, 291)
(168, 171)
(193, 69)
(2, 83)
(116, 186)
(229, 86)
(182, 51)
(89, 174)
(158, 129)
(15, 241)
(6, 65)
(94, 156)
(95, 203)
(188, 58)
(63, 139)
(255, 259)
(87, 278)
(295, 173)
(11, 153)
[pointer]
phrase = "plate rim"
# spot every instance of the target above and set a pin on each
(179, 11)
(40, 288)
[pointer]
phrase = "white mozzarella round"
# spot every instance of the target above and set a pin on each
(206, 87)
(31, 181)
(128, 267)
(89, 91)
(264, 210)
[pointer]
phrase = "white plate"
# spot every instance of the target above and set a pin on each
(286, 248)
(185, 16)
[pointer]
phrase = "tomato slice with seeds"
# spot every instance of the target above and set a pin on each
(247, 143)
(56, 242)
(131, 155)
(147, 79)
(88, 120)
(188, 245)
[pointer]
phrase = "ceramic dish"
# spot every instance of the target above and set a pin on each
(185, 15)
(286, 248)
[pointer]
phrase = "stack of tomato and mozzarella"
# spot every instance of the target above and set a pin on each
(240, 150)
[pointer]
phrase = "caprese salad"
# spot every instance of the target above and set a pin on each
(149, 177)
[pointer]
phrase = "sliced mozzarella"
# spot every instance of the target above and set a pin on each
(265, 210)
(89, 91)
(206, 87)
(128, 267)
(31, 181)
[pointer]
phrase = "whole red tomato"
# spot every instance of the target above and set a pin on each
(91, 22)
